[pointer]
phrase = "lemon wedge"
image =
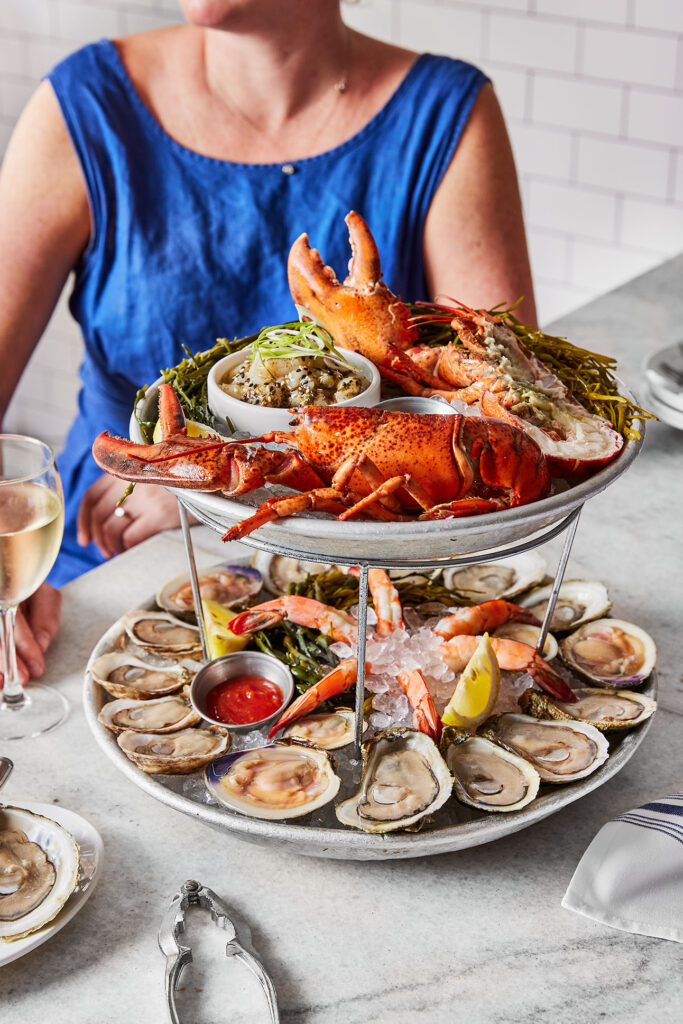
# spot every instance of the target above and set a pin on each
(194, 429)
(477, 689)
(219, 637)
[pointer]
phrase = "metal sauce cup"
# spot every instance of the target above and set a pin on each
(240, 663)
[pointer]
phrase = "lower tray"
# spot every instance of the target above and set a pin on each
(453, 827)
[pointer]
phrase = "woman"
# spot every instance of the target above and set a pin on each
(173, 169)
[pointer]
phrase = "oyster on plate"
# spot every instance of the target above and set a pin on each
(578, 601)
(559, 751)
(39, 863)
(173, 753)
(285, 779)
(610, 652)
(327, 729)
(229, 585)
(607, 710)
(278, 571)
(123, 675)
(165, 714)
(163, 635)
(488, 581)
(404, 778)
(486, 775)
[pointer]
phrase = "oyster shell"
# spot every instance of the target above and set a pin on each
(486, 775)
(488, 581)
(163, 634)
(404, 778)
(278, 571)
(528, 634)
(559, 751)
(327, 729)
(229, 585)
(285, 779)
(166, 714)
(173, 753)
(610, 652)
(578, 601)
(39, 863)
(607, 710)
(123, 675)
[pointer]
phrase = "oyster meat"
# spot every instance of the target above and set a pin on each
(163, 635)
(39, 863)
(578, 601)
(486, 775)
(559, 751)
(327, 729)
(166, 714)
(607, 710)
(123, 675)
(488, 581)
(173, 753)
(404, 778)
(229, 585)
(610, 652)
(285, 779)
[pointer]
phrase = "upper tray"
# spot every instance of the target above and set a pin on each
(319, 535)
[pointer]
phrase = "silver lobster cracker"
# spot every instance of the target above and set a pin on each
(177, 955)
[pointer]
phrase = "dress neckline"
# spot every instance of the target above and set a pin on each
(358, 137)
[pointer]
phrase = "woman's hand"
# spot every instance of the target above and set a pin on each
(37, 622)
(146, 511)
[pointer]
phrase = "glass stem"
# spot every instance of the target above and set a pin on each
(12, 690)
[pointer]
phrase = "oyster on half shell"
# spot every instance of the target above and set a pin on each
(559, 751)
(163, 635)
(610, 652)
(486, 775)
(39, 863)
(278, 571)
(123, 675)
(229, 585)
(327, 729)
(285, 779)
(404, 778)
(173, 753)
(166, 714)
(488, 581)
(578, 601)
(607, 710)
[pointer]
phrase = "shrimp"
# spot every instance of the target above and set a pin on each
(483, 618)
(512, 656)
(385, 601)
(339, 679)
(425, 718)
(304, 611)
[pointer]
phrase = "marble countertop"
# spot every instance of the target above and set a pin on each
(477, 935)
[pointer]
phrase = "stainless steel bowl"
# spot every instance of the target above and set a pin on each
(240, 663)
(409, 403)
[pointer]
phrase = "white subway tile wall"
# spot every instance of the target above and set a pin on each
(592, 91)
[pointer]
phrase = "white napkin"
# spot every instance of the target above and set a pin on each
(631, 875)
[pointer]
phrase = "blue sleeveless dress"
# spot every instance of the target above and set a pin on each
(186, 248)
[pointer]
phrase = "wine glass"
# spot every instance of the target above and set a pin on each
(31, 527)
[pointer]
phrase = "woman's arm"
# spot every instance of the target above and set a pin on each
(474, 241)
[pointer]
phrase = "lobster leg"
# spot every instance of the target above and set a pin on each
(324, 499)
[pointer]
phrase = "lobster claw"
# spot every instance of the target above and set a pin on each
(362, 314)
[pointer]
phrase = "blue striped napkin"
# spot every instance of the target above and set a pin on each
(631, 875)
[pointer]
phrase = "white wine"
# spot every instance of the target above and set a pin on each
(31, 527)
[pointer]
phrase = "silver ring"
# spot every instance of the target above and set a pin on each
(120, 512)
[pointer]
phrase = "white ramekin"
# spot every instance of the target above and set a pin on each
(257, 419)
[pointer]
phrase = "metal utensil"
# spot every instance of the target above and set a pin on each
(192, 893)
(6, 767)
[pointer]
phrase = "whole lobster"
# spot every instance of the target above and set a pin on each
(488, 366)
(345, 460)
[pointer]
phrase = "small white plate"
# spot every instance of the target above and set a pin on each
(92, 852)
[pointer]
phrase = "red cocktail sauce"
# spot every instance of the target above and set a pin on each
(243, 699)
